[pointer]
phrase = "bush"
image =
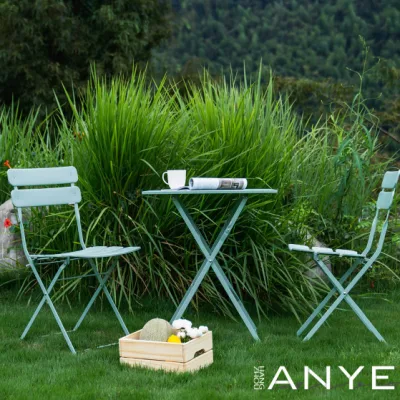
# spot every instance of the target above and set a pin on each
(44, 43)
(128, 132)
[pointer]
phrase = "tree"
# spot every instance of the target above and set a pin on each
(46, 42)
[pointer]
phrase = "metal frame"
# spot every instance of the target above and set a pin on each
(344, 295)
(210, 255)
(344, 291)
(65, 262)
(211, 252)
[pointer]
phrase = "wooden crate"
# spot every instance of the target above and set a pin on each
(177, 357)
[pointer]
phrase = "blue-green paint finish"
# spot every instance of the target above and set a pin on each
(43, 301)
(327, 298)
(384, 202)
(390, 179)
(58, 196)
(42, 176)
(92, 252)
(344, 294)
(102, 287)
(210, 253)
(46, 197)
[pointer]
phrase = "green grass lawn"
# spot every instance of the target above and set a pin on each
(43, 368)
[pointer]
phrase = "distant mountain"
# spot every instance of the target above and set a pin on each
(314, 48)
(299, 38)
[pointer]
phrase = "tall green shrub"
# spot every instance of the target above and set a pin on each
(128, 132)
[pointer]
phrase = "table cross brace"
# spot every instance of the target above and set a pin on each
(210, 261)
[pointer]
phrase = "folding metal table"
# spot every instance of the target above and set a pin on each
(211, 252)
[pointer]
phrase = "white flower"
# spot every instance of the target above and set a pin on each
(190, 333)
(198, 333)
(203, 329)
(193, 333)
(182, 324)
(181, 334)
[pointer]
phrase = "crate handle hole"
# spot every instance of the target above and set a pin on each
(199, 353)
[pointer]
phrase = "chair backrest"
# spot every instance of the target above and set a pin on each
(47, 196)
(386, 196)
(390, 180)
(44, 177)
(384, 202)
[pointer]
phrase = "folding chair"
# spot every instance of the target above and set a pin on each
(63, 195)
(361, 260)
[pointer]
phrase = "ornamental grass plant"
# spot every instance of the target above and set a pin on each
(125, 132)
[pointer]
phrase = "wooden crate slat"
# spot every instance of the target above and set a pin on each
(191, 348)
(132, 347)
(191, 366)
(164, 353)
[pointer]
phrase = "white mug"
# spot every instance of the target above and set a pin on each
(176, 178)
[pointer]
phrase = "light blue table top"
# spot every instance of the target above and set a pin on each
(219, 191)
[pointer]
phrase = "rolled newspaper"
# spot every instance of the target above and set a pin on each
(217, 183)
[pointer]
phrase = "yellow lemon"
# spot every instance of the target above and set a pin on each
(174, 339)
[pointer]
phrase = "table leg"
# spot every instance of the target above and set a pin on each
(191, 291)
(210, 255)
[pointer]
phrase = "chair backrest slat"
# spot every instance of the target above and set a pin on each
(46, 197)
(42, 176)
(385, 200)
(390, 180)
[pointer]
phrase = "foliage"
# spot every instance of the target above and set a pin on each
(24, 141)
(313, 47)
(44, 43)
(298, 38)
(96, 374)
(128, 132)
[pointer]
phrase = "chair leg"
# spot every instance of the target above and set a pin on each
(327, 298)
(344, 295)
(360, 314)
(50, 303)
(43, 301)
(101, 287)
(347, 298)
(324, 318)
(364, 318)
(61, 326)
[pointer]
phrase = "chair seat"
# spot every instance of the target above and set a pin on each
(92, 252)
(325, 251)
